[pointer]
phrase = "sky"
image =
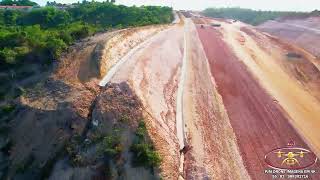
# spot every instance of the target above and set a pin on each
(279, 5)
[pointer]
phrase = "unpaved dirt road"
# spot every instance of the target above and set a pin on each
(217, 102)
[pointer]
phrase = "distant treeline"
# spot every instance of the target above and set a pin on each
(18, 3)
(247, 15)
(42, 34)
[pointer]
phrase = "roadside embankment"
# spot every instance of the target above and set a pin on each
(265, 103)
(54, 118)
(153, 73)
(212, 150)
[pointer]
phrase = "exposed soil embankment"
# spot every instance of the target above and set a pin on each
(212, 151)
(47, 117)
(115, 143)
(301, 105)
(94, 56)
(153, 73)
(107, 139)
(259, 122)
(299, 64)
(63, 125)
(122, 43)
(82, 63)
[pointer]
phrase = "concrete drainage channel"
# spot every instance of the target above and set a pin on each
(180, 125)
(179, 108)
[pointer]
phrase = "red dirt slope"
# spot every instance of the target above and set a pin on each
(258, 121)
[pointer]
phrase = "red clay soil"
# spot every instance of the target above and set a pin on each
(258, 121)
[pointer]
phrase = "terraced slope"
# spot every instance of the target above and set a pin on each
(265, 101)
(304, 32)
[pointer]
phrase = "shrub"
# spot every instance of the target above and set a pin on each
(55, 46)
(8, 108)
(124, 118)
(22, 51)
(145, 155)
(141, 131)
(77, 160)
(8, 56)
(111, 145)
(143, 151)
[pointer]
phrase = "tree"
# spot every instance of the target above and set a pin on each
(10, 17)
(8, 55)
(46, 17)
(43, 34)
(18, 3)
(55, 46)
(245, 15)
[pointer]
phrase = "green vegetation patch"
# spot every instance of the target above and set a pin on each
(111, 144)
(247, 15)
(143, 151)
(8, 108)
(43, 34)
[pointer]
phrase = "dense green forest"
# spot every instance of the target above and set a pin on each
(39, 36)
(43, 34)
(247, 15)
